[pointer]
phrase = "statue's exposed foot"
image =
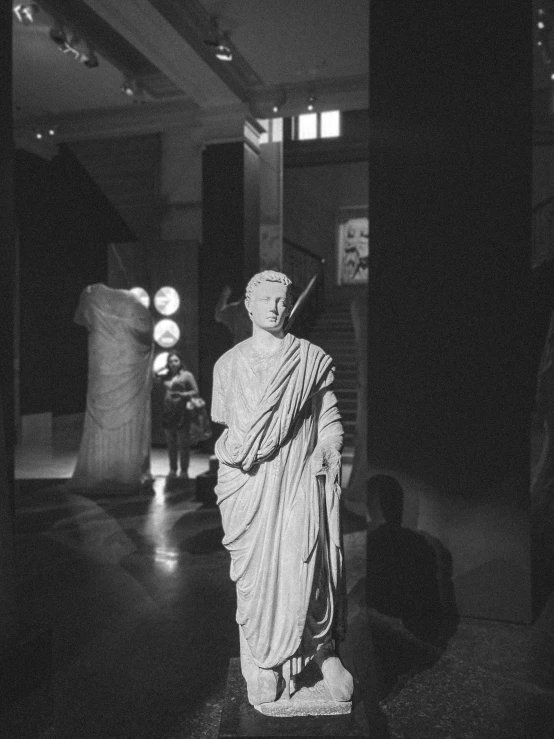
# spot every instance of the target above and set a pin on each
(338, 680)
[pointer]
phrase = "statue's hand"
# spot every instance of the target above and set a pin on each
(324, 457)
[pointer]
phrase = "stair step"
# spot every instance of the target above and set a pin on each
(349, 416)
(349, 403)
(334, 333)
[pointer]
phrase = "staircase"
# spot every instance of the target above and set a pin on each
(334, 333)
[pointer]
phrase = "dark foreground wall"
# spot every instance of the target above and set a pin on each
(65, 225)
(451, 379)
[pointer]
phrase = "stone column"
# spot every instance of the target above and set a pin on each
(450, 384)
(230, 251)
(181, 229)
(271, 196)
(181, 185)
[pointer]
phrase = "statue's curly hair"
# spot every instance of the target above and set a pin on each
(269, 275)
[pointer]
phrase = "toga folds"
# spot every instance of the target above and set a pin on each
(281, 522)
(115, 445)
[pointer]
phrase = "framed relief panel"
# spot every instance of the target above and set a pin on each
(352, 245)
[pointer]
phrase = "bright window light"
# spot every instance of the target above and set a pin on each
(276, 129)
(330, 124)
(307, 126)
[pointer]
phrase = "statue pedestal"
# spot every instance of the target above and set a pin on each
(240, 719)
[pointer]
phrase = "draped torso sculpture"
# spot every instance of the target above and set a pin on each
(115, 446)
(278, 491)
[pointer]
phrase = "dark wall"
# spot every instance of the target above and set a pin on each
(224, 258)
(65, 225)
(7, 248)
(450, 373)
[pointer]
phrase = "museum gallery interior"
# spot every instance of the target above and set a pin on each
(170, 477)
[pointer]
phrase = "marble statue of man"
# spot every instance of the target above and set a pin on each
(278, 491)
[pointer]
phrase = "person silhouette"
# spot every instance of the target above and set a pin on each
(402, 567)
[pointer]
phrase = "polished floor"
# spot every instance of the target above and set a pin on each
(137, 593)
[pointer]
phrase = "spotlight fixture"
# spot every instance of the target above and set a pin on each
(279, 99)
(69, 43)
(545, 26)
(130, 87)
(224, 53)
(222, 50)
(220, 43)
(42, 134)
(25, 12)
(311, 101)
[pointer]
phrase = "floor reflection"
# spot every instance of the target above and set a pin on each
(160, 520)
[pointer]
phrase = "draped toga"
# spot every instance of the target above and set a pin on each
(115, 445)
(281, 524)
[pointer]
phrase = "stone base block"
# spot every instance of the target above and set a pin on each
(285, 718)
(311, 698)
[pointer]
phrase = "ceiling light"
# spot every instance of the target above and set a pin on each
(220, 42)
(69, 43)
(25, 12)
(129, 87)
(224, 53)
(222, 50)
(279, 99)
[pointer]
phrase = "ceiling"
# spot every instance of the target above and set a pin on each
(283, 52)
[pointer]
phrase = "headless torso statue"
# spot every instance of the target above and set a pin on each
(278, 491)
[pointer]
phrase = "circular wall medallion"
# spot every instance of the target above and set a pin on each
(167, 301)
(166, 333)
(160, 362)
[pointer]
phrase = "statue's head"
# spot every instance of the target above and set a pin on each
(269, 300)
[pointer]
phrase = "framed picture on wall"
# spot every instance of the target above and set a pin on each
(352, 245)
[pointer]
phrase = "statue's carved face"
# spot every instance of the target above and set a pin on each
(268, 306)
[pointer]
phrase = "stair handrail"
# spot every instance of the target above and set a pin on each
(302, 300)
(304, 250)
(305, 269)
